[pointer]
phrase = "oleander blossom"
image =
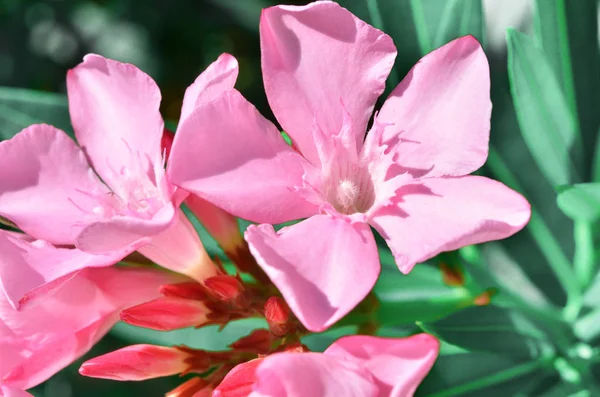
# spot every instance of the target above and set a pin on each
(323, 70)
(92, 205)
(39, 340)
(353, 366)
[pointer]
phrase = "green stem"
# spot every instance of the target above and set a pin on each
(488, 381)
(421, 26)
(584, 260)
(544, 239)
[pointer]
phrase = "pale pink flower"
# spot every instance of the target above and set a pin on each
(46, 336)
(353, 366)
(323, 70)
(110, 196)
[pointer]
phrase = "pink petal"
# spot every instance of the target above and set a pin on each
(440, 113)
(114, 111)
(7, 391)
(123, 232)
(398, 365)
(27, 265)
(50, 195)
(218, 77)
(179, 248)
(317, 60)
(48, 340)
(239, 381)
(230, 155)
(311, 374)
(444, 214)
(323, 266)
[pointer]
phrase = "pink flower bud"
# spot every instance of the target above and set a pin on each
(191, 290)
(138, 362)
(167, 314)
(221, 225)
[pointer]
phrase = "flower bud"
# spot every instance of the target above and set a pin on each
(221, 225)
(277, 314)
(138, 362)
(259, 341)
(226, 288)
(167, 142)
(195, 387)
(191, 290)
(167, 314)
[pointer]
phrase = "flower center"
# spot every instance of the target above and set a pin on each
(351, 191)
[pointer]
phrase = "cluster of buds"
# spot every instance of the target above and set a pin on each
(217, 300)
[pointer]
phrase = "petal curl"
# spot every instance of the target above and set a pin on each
(397, 364)
(51, 197)
(317, 61)
(439, 115)
(48, 340)
(27, 265)
(323, 266)
(115, 115)
(311, 374)
(230, 155)
(218, 77)
(444, 214)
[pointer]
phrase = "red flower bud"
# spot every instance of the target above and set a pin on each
(277, 314)
(138, 362)
(167, 142)
(191, 290)
(224, 287)
(195, 387)
(259, 341)
(167, 314)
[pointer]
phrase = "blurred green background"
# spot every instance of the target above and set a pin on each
(174, 41)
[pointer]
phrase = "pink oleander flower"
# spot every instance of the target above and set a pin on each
(353, 366)
(110, 196)
(46, 336)
(323, 71)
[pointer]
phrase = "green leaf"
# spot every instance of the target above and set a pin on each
(491, 329)
(460, 17)
(472, 374)
(209, 337)
(587, 327)
(418, 296)
(546, 123)
(20, 108)
(581, 201)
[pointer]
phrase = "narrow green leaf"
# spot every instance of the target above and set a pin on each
(418, 296)
(546, 123)
(552, 36)
(588, 326)
(460, 17)
(544, 239)
(19, 108)
(491, 329)
(581, 202)
(582, 22)
(209, 337)
(479, 374)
